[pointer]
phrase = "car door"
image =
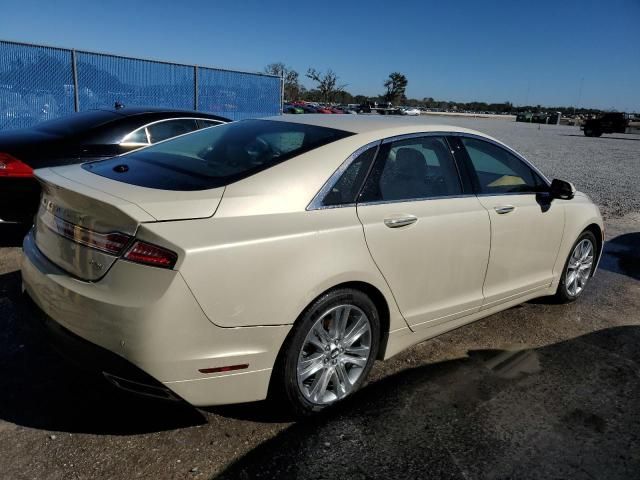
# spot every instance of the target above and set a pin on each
(427, 234)
(526, 225)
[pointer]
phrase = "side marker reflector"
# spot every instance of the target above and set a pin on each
(228, 368)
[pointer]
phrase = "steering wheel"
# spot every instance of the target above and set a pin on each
(261, 151)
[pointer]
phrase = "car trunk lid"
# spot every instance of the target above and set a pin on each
(85, 222)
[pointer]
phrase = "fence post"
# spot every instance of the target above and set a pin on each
(195, 87)
(282, 93)
(74, 71)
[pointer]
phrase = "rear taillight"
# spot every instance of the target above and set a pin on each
(148, 254)
(10, 166)
(111, 243)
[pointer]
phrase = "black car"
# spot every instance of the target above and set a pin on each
(81, 137)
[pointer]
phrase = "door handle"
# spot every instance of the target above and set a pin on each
(502, 209)
(396, 222)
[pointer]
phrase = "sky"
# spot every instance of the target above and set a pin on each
(554, 53)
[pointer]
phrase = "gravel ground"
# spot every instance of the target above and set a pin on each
(537, 391)
(606, 168)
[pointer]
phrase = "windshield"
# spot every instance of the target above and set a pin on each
(215, 156)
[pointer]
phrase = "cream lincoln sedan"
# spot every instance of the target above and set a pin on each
(281, 257)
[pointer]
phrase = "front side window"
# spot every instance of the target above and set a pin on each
(215, 157)
(499, 171)
(413, 169)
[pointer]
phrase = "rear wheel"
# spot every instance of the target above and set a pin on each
(329, 352)
(578, 268)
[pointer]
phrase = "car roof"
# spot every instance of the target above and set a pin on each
(137, 110)
(380, 125)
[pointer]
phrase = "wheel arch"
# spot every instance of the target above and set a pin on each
(376, 296)
(599, 234)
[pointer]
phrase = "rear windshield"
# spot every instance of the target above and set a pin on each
(215, 156)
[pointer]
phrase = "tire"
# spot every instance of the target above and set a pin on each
(569, 290)
(597, 133)
(588, 132)
(334, 364)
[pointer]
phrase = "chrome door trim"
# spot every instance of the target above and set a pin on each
(420, 199)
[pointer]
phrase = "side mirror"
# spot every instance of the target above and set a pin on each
(562, 190)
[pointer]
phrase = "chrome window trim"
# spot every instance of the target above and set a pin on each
(419, 199)
(316, 202)
(123, 143)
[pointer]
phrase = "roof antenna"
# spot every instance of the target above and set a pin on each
(118, 105)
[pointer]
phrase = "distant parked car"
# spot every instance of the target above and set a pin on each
(288, 108)
(308, 108)
(412, 111)
(80, 137)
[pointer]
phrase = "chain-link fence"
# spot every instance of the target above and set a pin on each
(40, 83)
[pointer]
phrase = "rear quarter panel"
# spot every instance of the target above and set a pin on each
(265, 269)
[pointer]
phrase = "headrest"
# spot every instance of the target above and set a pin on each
(410, 162)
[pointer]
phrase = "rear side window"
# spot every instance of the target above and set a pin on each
(413, 169)
(170, 128)
(345, 190)
(215, 157)
(499, 171)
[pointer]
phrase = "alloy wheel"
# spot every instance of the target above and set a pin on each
(334, 354)
(579, 267)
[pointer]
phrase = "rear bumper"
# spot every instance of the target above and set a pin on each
(92, 358)
(148, 320)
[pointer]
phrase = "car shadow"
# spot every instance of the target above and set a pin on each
(568, 409)
(41, 390)
(11, 234)
(622, 255)
(603, 138)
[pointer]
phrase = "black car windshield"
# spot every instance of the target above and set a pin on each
(215, 156)
(77, 122)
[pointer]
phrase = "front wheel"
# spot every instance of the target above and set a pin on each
(578, 268)
(329, 352)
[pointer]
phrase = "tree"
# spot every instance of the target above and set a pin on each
(396, 85)
(292, 87)
(327, 84)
